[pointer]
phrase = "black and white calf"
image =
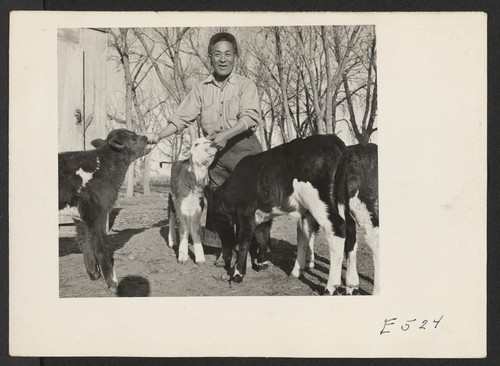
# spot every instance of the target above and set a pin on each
(362, 192)
(89, 182)
(361, 209)
(305, 177)
(186, 200)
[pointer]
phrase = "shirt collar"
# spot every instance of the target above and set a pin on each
(231, 79)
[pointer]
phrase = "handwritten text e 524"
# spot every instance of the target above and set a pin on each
(405, 325)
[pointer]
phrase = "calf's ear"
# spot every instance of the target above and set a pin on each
(116, 144)
(97, 143)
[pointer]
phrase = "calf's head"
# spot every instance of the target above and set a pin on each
(201, 153)
(126, 142)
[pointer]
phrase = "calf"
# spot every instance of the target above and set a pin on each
(362, 193)
(361, 208)
(89, 181)
(186, 200)
(305, 177)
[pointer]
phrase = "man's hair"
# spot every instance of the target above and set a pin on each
(223, 36)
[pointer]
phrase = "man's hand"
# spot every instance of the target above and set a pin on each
(153, 138)
(219, 140)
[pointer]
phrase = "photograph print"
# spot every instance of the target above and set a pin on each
(218, 161)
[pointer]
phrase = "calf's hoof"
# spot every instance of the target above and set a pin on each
(183, 258)
(113, 289)
(335, 292)
(260, 266)
(352, 291)
(95, 275)
(296, 273)
(112, 285)
(237, 278)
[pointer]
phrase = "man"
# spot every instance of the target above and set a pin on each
(228, 105)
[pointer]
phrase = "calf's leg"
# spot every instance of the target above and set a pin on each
(172, 235)
(96, 229)
(351, 248)
(335, 235)
(305, 229)
(336, 249)
(260, 245)
(195, 229)
(94, 218)
(85, 240)
(184, 234)
(364, 217)
(225, 231)
(245, 232)
(325, 211)
(102, 253)
(310, 250)
(373, 242)
(310, 244)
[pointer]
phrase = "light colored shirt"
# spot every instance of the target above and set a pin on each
(219, 108)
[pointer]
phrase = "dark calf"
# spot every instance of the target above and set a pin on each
(305, 177)
(90, 181)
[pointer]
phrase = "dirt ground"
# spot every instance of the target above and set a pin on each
(145, 266)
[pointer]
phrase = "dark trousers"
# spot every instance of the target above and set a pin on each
(226, 160)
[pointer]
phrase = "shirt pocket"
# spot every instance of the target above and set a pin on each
(209, 118)
(232, 111)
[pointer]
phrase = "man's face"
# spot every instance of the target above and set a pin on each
(222, 57)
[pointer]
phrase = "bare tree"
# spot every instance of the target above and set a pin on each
(363, 131)
(135, 72)
(308, 78)
(172, 44)
(287, 116)
(121, 44)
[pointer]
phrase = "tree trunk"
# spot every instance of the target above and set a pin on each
(330, 127)
(350, 107)
(273, 118)
(318, 109)
(146, 175)
(287, 133)
(128, 106)
(281, 125)
(326, 127)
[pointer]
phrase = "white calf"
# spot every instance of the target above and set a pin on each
(186, 200)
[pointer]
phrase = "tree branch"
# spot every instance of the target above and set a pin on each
(155, 65)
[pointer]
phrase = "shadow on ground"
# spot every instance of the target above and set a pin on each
(324, 269)
(283, 256)
(133, 286)
(164, 230)
(112, 216)
(116, 241)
